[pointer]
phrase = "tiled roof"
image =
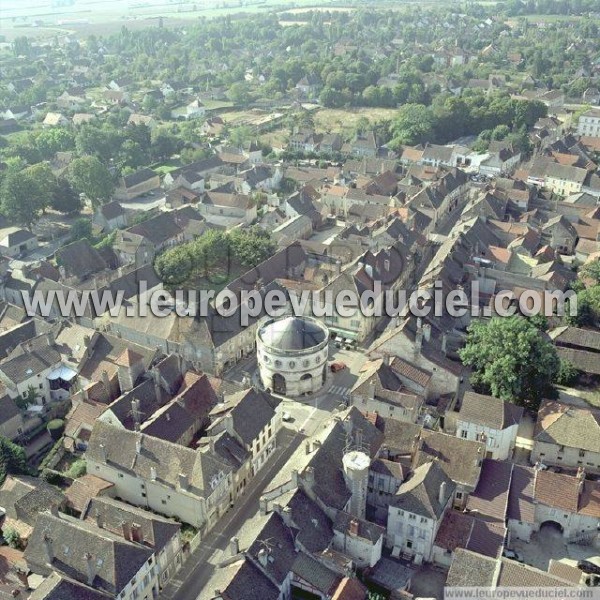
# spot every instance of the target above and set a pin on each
(569, 426)
(82, 490)
(115, 561)
(520, 505)
(489, 411)
(557, 490)
(471, 569)
(514, 574)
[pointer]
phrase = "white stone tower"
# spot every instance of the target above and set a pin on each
(356, 464)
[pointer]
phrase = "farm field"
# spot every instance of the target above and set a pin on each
(344, 120)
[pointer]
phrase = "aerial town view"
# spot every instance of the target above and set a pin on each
(299, 299)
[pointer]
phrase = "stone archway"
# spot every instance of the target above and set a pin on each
(279, 384)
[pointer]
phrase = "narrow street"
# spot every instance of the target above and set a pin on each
(198, 569)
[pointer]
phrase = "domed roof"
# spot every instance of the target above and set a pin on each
(293, 333)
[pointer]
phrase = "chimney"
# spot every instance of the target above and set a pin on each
(183, 481)
(106, 382)
(126, 530)
(371, 390)
(316, 445)
(48, 543)
(54, 510)
(427, 332)
(99, 521)
(135, 411)
(442, 495)
(444, 344)
(138, 445)
(234, 546)
(85, 394)
(353, 527)
(136, 533)
(580, 480)
(50, 338)
(263, 557)
(102, 449)
(156, 377)
(419, 337)
(87, 342)
(91, 572)
(294, 478)
(307, 446)
(309, 477)
(153, 473)
(386, 264)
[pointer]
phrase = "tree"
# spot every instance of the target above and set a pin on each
(13, 460)
(239, 93)
(26, 194)
(27, 399)
(567, 373)
(90, 177)
(511, 359)
(164, 144)
(412, 125)
(591, 271)
(77, 469)
(81, 230)
(174, 266)
(65, 199)
(12, 537)
(56, 428)
(51, 141)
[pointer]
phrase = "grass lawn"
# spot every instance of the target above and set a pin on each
(344, 120)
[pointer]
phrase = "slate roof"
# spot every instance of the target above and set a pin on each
(168, 460)
(489, 411)
(115, 560)
(316, 574)
(314, 528)
(138, 177)
(23, 498)
(58, 587)
(252, 410)
(370, 532)
(241, 579)
(24, 366)
(419, 494)
(80, 259)
(461, 459)
(292, 333)
(156, 531)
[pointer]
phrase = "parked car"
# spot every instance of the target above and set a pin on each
(590, 565)
(512, 554)
(337, 366)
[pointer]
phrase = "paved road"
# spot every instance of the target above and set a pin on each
(199, 567)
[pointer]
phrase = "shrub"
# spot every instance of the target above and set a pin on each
(56, 428)
(77, 469)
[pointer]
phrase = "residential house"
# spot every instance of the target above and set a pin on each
(461, 460)
(490, 420)
(133, 524)
(111, 216)
(503, 158)
(141, 182)
(11, 418)
(589, 123)
(250, 417)
(567, 436)
(193, 486)
(417, 510)
(358, 538)
(378, 389)
(216, 206)
(15, 241)
(138, 119)
(53, 119)
(92, 556)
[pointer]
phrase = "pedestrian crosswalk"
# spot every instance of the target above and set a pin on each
(338, 390)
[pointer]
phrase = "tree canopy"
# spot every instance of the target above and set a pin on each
(511, 359)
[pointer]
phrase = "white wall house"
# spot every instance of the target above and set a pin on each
(490, 420)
